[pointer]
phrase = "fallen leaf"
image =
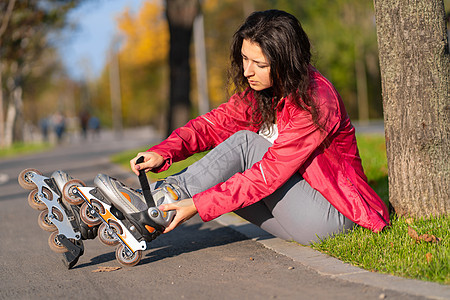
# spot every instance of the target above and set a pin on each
(106, 269)
(424, 237)
(429, 238)
(412, 233)
(429, 257)
(409, 221)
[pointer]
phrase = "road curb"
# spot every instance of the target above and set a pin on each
(329, 266)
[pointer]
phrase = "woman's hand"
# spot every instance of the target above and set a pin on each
(185, 210)
(151, 160)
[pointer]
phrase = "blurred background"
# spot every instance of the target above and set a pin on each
(69, 68)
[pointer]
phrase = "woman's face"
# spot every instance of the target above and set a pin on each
(256, 66)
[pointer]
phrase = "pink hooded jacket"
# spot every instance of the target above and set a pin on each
(329, 161)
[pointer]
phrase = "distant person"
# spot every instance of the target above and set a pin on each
(94, 126)
(284, 153)
(84, 122)
(59, 125)
(44, 125)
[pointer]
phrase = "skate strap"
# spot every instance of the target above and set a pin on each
(145, 186)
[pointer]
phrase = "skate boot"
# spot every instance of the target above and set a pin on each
(57, 216)
(129, 218)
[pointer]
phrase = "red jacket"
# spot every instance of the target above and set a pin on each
(332, 166)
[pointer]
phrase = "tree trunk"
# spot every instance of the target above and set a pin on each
(14, 123)
(2, 113)
(180, 16)
(4, 25)
(414, 64)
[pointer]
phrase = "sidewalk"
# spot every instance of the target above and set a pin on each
(328, 266)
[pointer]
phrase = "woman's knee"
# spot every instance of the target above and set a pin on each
(243, 135)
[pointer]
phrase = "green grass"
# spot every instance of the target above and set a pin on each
(124, 158)
(23, 148)
(392, 251)
(372, 149)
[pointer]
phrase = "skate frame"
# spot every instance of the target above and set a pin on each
(126, 238)
(64, 226)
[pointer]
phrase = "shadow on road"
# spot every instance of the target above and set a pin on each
(186, 238)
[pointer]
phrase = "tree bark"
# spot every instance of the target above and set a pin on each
(2, 113)
(180, 16)
(14, 121)
(414, 65)
(4, 25)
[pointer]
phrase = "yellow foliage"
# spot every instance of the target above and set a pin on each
(146, 34)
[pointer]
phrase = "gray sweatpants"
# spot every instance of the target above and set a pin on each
(294, 212)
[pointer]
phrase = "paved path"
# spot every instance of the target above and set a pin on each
(196, 261)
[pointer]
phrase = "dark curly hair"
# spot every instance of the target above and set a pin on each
(286, 46)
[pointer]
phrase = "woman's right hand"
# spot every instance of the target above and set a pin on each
(151, 160)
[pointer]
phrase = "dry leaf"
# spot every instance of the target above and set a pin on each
(106, 269)
(429, 257)
(429, 238)
(424, 237)
(409, 221)
(412, 233)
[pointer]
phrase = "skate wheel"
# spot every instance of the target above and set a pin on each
(128, 260)
(68, 194)
(54, 243)
(107, 238)
(25, 178)
(45, 222)
(88, 217)
(34, 202)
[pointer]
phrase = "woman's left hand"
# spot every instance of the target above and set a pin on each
(185, 210)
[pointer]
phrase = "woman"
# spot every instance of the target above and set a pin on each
(284, 150)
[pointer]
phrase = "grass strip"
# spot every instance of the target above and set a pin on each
(23, 148)
(123, 158)
(394, 251)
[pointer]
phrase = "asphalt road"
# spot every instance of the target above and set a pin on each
(196, 261)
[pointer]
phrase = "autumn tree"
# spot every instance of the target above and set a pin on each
(25, 27)
(150, 38)
(143, 65)
(180, 16)
(415, 62)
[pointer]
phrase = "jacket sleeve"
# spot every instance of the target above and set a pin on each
(298, 139)
(205, 132)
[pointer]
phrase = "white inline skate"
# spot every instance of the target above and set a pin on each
(58, 216)
(127, 217)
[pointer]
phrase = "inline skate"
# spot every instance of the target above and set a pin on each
(128, 218)
(58, 216)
